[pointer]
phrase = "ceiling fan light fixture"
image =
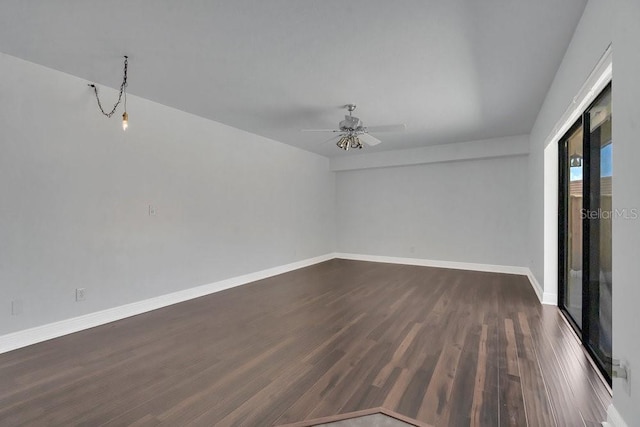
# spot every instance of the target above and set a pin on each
(343, 143)
(355, 142)
(575, 160)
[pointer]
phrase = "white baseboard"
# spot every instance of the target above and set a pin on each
(535, 285)
(436, 263)
(49, 331)
(544, 297)
(547, 298)
(46, 332)
(614, 419)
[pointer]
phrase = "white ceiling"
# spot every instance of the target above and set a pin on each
(454, 70)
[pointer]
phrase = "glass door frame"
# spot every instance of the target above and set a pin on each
(563, 224)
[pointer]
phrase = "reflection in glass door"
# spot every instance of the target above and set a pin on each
(585, 218)
(572, 206)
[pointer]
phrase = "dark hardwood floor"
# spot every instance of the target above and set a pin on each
(446, 347)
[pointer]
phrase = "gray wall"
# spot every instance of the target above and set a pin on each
(591, 38)
(626, 195)
(465, 211)
(75, 190)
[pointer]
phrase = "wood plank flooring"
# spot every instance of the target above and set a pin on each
(445, 347)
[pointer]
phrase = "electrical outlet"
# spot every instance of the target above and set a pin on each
(16, 307)
(621, 370)
(627, 383)
(80, 294)
(152, 210)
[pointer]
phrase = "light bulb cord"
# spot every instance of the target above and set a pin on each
(123, 87)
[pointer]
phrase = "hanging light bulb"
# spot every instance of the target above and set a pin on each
(125, 115)
(123, 94)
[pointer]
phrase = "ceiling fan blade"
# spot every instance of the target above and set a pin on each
(320, 130)
(387, 128)
(333, 138)
(369, 140)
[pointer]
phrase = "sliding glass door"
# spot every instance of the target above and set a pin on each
(585, 218)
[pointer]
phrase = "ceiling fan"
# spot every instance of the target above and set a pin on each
(352, 132)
